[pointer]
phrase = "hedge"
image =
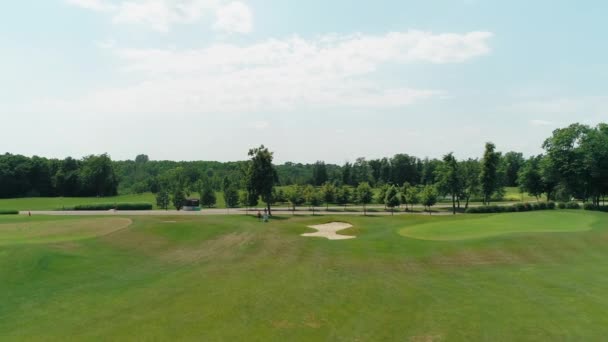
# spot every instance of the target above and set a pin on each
(589, 206)
(110, 206)
(9, 212)
(517, 207)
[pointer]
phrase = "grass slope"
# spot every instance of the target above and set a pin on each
(234, 278)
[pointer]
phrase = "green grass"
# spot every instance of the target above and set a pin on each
(59, 203)
(482, 226)
(234, 278)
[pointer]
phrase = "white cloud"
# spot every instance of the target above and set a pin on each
(277, 75)
(235, 17)
(161, 15)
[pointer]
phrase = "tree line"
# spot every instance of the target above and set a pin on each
(573, 166)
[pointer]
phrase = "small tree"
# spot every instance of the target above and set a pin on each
(343, 196)
(163, 199)
(328, 192)
(231, 196)
(428, 196)
(404, 190)
(295, 197)
(392, 198)
(208, 198)
(381, 199)
(178, 198)
(412, 196)
(314, 199)
(365, 195)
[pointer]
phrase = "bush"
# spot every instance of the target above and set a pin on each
(542, 206)
(110, 206)
(550, 205)
(590, 206)
(535, 206)
(573, 205)
(561, 205)
(9, 212)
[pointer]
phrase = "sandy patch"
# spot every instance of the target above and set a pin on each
(329, 231)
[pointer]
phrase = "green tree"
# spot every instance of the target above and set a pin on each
(208, 198)
(178, 198)
(261, 175)
(448, 179)
(295, 197)
(428, 197)
(162, 199)
(328, 191)
(488, 175)
(231, 196)
(365, 195)
(343, 196)
(319, 173)
(392, 198)
(381, 199)
(471, 186)
(248, 200)
(412, 196)
(313, 198)
(98, 177)
(530, 179)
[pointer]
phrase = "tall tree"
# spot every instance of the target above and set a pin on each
(319, 173)
(98, 177)
(470, 170)
(488, 175)
(261, 175)
(449, 180)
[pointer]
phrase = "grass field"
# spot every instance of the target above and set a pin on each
(59, 203)
(502, 277)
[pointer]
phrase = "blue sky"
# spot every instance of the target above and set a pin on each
(313, 80)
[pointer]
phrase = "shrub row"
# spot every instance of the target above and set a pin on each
(110, 206)
(518, 207)
(569, 205)
(590, 206)
(9, 212)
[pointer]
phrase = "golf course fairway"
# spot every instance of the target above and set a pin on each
(538, 276)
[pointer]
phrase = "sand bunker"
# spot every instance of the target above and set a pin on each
(329, 230)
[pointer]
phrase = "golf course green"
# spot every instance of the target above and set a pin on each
(501, 277)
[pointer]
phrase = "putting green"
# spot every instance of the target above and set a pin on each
(58, 231)
(481, 226)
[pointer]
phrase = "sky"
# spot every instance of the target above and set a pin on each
(311, 80)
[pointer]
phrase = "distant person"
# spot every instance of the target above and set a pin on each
(259, 216)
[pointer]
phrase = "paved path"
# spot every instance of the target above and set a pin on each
(211, 212)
